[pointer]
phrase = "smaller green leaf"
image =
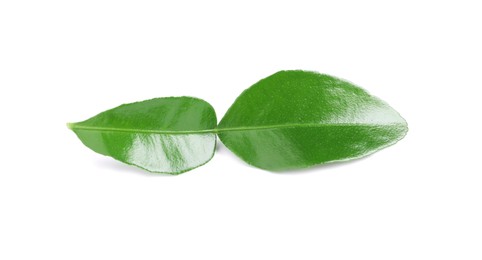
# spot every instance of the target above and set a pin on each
(166, 135)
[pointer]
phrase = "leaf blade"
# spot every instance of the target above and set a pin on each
(297, 119)
(165, 135)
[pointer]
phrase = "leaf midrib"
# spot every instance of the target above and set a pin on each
(74, 126)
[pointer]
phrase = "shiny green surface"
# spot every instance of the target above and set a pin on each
(297, 119)
(169, 135)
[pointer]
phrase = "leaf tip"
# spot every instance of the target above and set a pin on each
(70, 126)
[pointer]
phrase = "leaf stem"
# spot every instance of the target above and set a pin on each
(74, 126)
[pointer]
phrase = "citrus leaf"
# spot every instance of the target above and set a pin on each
(297, 119)
(169, 135)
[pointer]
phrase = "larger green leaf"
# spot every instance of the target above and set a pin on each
(296, 119)
(168, 135)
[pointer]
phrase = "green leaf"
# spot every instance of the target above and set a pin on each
(297, 119)
(168, 135)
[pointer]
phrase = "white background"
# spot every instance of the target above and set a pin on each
(64, 61)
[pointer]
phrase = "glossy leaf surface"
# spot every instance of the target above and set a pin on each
(168, 135)
(296, 119)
